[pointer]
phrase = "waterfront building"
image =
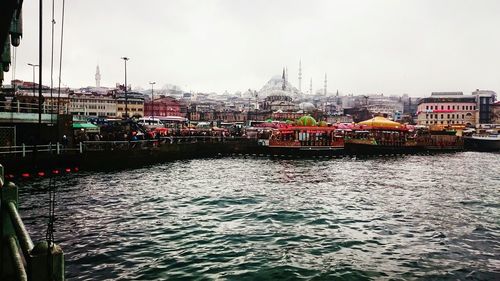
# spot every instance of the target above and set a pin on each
(164, 106)
(484, 104)
(447, 108)
(283, 116)
(496, 113)
(332, 119)
(92, 104)
(383, 105)
(358, 114)
(135, 104)
(55, 100)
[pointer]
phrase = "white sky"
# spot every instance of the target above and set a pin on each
(384, 46)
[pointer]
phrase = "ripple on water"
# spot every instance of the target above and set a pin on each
(399, 218)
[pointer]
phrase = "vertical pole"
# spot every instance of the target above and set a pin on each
(152, 102)
(40, 72)
(24, 150)
(81, 147)
(34, 91)
(126, 95)
(58, 149)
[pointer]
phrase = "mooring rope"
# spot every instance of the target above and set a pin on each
(60, 58)
(52, 65)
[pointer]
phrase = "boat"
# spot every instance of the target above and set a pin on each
(307, 138)
(380, 135)
(441, 138)
(486, 141)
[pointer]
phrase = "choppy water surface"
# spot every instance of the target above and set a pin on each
(414, 217)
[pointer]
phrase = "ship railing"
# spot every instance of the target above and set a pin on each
(25, 150)
(21, 259)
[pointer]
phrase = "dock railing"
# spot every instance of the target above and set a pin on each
(20, 258)
(24, 150)
(80, 147)
(154, 143)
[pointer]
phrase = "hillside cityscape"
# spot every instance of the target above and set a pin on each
(278, 99)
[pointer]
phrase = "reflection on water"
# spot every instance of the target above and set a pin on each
(254, 219)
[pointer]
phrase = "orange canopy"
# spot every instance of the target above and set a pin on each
(380, 122)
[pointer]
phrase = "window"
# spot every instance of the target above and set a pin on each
(426, 107)
(453, 107)
(463, 116)
(442, 106)
(448, 107)
(448, 116)
(442, 117)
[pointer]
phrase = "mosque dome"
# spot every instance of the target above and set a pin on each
(274, 87)
(307, 107)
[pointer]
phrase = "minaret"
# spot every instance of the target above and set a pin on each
(300, 76)
(311, 86)
(97, 77)
(324, 89)
(283, 87)
(286, 73)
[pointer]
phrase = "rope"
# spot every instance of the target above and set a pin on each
(49, 235)
(52, 63)
(60, 59)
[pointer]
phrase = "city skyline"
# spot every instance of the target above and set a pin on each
(415, 47)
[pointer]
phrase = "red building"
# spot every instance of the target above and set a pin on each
(166, 106)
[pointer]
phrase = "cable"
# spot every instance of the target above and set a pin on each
(60, 59)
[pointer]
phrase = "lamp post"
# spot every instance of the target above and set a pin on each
(33, 65)
(152, 100)
(125, 59)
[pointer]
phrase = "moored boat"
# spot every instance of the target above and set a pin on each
(307, 138)
(483, 142)
(382, 136)
(440, 138)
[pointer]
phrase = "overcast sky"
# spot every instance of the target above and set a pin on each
(385, 46)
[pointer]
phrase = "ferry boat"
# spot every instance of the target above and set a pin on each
(307, 138)
(380, 135)
(487, 141)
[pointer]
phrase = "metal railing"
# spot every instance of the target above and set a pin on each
(57, 148)
(23, 259)
(154, 143)
(24, 150)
